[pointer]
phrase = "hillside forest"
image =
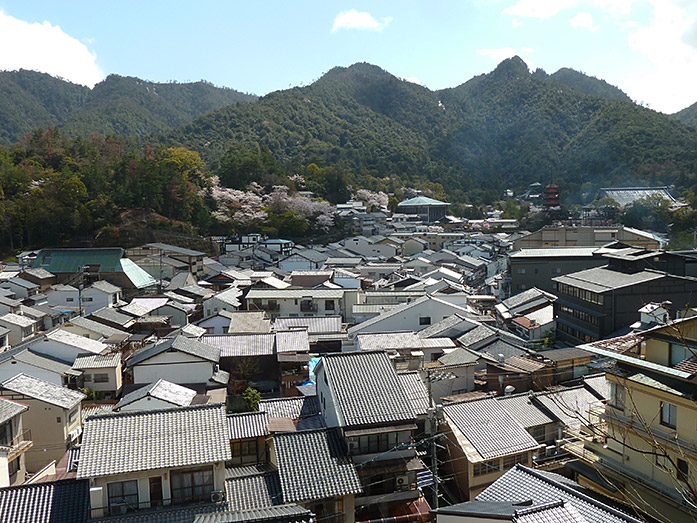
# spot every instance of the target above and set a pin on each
(115, 160)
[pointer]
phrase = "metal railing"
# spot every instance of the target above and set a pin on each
(152, 505)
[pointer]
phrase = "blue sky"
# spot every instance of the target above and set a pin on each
(646, 47)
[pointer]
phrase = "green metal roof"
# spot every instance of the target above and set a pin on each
(138, 276)
(61, 261)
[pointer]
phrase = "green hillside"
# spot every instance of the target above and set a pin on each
(117, 105)
(504, 129)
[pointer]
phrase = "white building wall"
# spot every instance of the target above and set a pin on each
(326, 400)
(57, 350)
(216, 324)
(409, 319)
(176, 367)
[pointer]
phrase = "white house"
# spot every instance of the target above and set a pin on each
(101, 372)
(180, 360)
(227, 300)
(303, 302)
(20, 328)
(21, 360)
(415, 316)
(66, 346)
(306, 260)
(162, 394)
(20, 288)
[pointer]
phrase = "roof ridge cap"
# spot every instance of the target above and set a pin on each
(576, 493)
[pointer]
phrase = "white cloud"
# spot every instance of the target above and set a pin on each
(500, 54)
(47, 48)
(353, 19)
(583, 20)
(412, 80)
(516, 22)
(668, 77)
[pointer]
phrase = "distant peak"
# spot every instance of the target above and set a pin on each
(513, 65)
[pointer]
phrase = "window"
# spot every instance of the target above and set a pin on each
(669, 414)
(101, 378)
(6, 433)
(72, 416)
(617, 395)
(521, 271)
(13, 466)
(191, 485)
(244, 448)
(69, 300)
(510, 461)
(486, 467)
(58, 419)
(86, 299)
(123, 496)
(683, 470)
(329, 305)
(87, 378)
(424, 320)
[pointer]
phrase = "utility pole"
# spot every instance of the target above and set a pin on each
(433, 422)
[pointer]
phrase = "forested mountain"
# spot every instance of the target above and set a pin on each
(688, 115)
(121, 105)
(504, 129)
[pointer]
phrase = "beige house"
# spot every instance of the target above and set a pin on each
(53, 417)
(100, 372)
(648, 454)
(133, 464)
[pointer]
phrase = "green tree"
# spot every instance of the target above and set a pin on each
(251, 398)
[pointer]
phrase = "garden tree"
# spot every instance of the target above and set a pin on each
(251, 398)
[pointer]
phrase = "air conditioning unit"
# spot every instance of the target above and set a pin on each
(217, 496)
(402, 481)
(550, 450)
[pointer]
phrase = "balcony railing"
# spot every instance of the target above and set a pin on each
(144, 507)
(20, 443)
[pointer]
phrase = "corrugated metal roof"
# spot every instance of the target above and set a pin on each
(61, 261)
(314, 324)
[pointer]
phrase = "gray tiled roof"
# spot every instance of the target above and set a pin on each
(294, 408)
(366, 388)
(452, 326)
(95, 326)
(97, 361)
(553, 512)
(10, 409)
(491, 430)
(147, 440)
(253, 491)
(180, 343)
(570, 406)
(65, 501)
(415, 390)
(314, 465)
(290, 513)
(598, 384)
(112, 315)
(162, 390)
(524, 411)
(232, 345)
(249, 322)
(524, 483)
(292, 341)
(43, 391)
(247, 425)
